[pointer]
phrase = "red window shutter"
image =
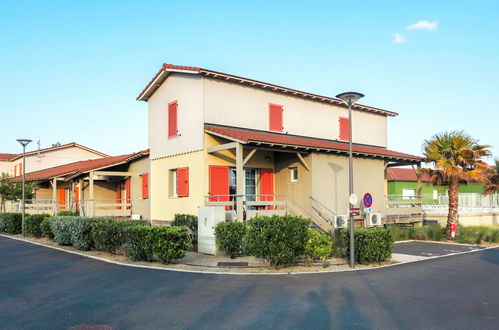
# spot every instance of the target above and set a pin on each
(21, 169)
(61, 198)
(172, 120)
(344, 129)
(275, 118)
(127, 192)
(145, 185)
(118, 195)
(267, 185)
(183, 182)
(219, 183)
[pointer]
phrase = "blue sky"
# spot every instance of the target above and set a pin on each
(70, 70)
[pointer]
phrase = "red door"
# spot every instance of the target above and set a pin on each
(267, 185)
(118, 195)
(219, 183)
(61, 198)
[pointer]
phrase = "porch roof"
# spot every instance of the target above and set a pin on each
(255, 137)
(404, 174)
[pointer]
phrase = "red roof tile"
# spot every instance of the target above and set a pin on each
(248, 136)
(404, 174)
(7, 156)
(62, 146)
(254, 83)
(74, 168)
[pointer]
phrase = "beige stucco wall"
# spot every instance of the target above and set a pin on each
(330, 181)
(139, 205)
(187, 90)
(233, 104)
(300, 190)
(7, 167)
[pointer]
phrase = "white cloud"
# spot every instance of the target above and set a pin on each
(398, 38)
(423, 25)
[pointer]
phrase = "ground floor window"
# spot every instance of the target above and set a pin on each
(408, 194)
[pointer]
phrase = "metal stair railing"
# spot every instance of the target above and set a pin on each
(300, 210)
(322, 210)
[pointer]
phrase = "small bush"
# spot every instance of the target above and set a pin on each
(280, 240)
(435, 232)
(418, 233)
(45, 228)
(109, 235)
(400, 233)
(68, 213)
(229, 237)
(81, 232)
(477, 234)
(11, 222)
(190, 221)
(32, 224)
(318, 246)
(139, 243)
(371, 244)
(170, 243)
(61, 228)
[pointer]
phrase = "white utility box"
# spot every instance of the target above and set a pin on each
(208, 218)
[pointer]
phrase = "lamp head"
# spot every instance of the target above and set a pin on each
(24, 142)
(350, 97)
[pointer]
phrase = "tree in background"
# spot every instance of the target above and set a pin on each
(56, 144)
(12, 190)
(493, 185)
(456, 157)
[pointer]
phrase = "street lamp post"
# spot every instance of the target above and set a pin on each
(24, 143)
(349, 98)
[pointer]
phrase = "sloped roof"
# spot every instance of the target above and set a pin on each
(166, 69)
(7, 156)
(245, 135)
(75, 168)
(404, 174)
(62, 146)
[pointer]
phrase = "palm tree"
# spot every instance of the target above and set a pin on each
(493, 185)
(456, 157)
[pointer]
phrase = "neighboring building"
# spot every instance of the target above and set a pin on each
(254, 147)
(37, 160)
(402, 183)
(111, 186)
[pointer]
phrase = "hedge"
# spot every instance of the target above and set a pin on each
(477, 234)
(371, 244)
(229, 237)
(280, 240)
(148, 243)
(11, 223)
(61, 228)
(74, 231)
(32, 224)
(45, 228)
(191, 222)
(109, 235)
(319, 245)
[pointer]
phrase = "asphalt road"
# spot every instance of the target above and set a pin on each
(429, 249)
(46, 288)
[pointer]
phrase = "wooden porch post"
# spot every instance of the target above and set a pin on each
(80, 197)
(91, 197)
(240, 182)
(54, 194)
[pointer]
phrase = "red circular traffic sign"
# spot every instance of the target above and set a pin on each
(367, 200)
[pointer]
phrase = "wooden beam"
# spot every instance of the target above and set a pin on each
(248, 157)
(221, 147)
(112, 173)
(91, 197)
(239, 183)
(302, 161)
(54, 194)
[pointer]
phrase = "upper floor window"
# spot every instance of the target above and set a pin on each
(275, 118)
(172, 119)
(344, 129)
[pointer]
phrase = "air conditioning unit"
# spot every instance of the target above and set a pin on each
(372, 219)
(341, 221)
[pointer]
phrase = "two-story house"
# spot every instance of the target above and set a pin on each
(255, 147)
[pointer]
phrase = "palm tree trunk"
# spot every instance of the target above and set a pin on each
(453, 204)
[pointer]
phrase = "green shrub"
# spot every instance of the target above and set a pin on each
(11, 222)
(400, 233)
(418, 233)
(280, 240)
(32, 224)
(187, 220)
(318, 246)
(229, 237)
(139, 243)
(61, 228)
(68, 213)
(371, 244)
(169, 243)
(435, 232)
(81, 232)
(477, 234)
(109, 235)
(45, 228)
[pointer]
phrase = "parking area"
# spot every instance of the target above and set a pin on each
(431, 249)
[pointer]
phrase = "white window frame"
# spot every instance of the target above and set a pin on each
(173, 188)
(408, 197)
(292, 171)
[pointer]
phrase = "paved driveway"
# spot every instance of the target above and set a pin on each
(46, 288)
(430, 249)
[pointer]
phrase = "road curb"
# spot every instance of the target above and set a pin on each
(237, 273)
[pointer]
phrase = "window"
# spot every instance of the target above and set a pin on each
(344, 129)
(408, 194)
(172, 120)
(275, 118)
(293, 174)
(179, 182)
(145, 185)
(435, 194)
